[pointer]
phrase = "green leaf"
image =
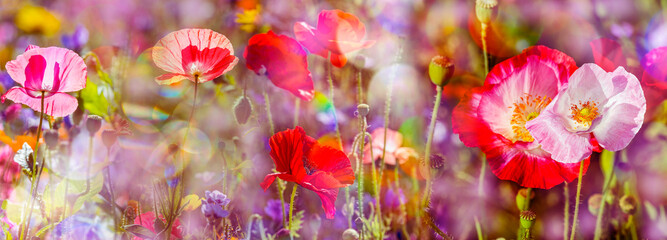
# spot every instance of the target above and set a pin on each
(45, 228)
(139, 231)
(296, 224)
(74, 188)
(94, 101)
(607, 163)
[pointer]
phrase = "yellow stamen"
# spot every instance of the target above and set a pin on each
(585, 112)
(526, 109)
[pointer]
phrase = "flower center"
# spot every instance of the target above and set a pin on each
(526, 109)
(584, 113)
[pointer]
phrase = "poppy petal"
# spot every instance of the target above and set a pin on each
(608, 54)
(305, 34)
(56, 105)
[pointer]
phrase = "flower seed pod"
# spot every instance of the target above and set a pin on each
(363, 109)
(109, 137)
(93, 124)
(350, 234)
(51, 138)
(440, 70)
(485, 10)
(527, 219)
(594, 203)
(242, 110)
(521, 198)
(628, 204)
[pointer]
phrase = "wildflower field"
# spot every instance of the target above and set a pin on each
(350, 119)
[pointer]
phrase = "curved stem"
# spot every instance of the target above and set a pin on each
(267, 105)
(291, 211)
(605, 192)
(566, 223)
(576, 204)
(427, 153)
(112, 196)
(36, 173)
(333, 105)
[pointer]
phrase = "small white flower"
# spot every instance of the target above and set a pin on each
(22, 155)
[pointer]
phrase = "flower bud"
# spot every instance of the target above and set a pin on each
(594, 203)
(521, 198)
(363, 109)
(242, 110)
(485, 10)
(527, 218)
(221, 145)
(628, 204)
(437, 161)
(73, 132)
(109, 137)
(51, 138)
(441, 70)
(350, 234)
(93, 124)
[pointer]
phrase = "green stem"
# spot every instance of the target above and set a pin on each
(268, 112)
(36, 173)
(360, 167)
(281, 191)
(297, 106)
(291, 211)
(605, 192)
(486, 57)
(112, 196)
(427, 154)
(526, 204)
(478, 228)
(566, 224)
(576, 204)
(333, 105)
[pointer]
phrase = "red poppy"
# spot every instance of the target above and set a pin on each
(283, 61)
(493, 117)
(147, 220)
(317, 167)
(337, 32)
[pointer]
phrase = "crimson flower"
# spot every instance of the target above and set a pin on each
(191, 54)
(337, 32)
(493, 117)
(147, 220)
(283, 61)
(49, 73)
(316, 167)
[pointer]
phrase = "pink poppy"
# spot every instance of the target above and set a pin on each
(393, 150)
(10, 170)
(283, 61)
(493, 117)
(147, 220)
(337, 32)
(48, 72)
(193, 54)
(609, 106)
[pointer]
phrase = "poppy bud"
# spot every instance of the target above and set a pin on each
(109, 137)
(485, 10)
(77, 116)
(363, 109)
(221, 145)
(527, 218)
(628, 204)
(594, 203)
(437, 161)
(73, 132)
(242, 110)
(51, 138)
(521, 198)
(441, 70)
(350, 234)
(93, 124)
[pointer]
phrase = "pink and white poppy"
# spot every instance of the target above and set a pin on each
(607, 106)
(47, 73)
(393, 151)
(193, 54)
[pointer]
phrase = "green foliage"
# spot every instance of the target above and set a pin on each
(94, 101)
(75, 188)
(297, 223)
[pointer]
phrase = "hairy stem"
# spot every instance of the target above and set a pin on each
(291, 211)
(576, 204)
(566, 221)
(427, 153)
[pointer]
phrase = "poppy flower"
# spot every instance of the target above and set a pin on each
(147, 220)
(193, 54)
(301, 159)
(493, 117)
(48, 73)
(393, 149)
(11, 172)
(283, 61)
(337, 32)
(609, 106)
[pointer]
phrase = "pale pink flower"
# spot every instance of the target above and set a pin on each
(608, 106)
(48, 72)
(393, 150)
(191, 54)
